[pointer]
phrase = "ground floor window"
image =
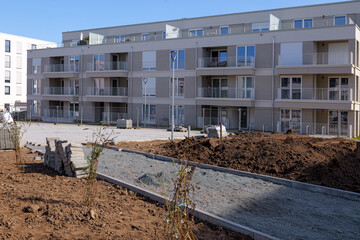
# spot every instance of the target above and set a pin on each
(74, 109)
(290, 119)
(178, 115)
(338, 122)
(149, 113)
(35, 108)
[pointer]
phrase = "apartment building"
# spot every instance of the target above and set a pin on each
(267, 71)
(13, 70)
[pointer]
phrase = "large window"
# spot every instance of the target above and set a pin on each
(179, 115)
(35, 86)
(339, 20)
(290, 119)
(290, 87)
(7, 76)
(149, 61)
(338, 88)
(224, 30)
(259, 27)
(245, 87)
(149, 87)
(245, 56)
(145, 37)
(74, 63)
(196, 32)
(149, 113)
(7, 90)
(7, 45)
(99, 62)
(119, 39)
(303, 23)
(7, 61)
(35, 108)
(36, 65)
(178, 87)
(338, 122)
(179, 59)
(18, 62)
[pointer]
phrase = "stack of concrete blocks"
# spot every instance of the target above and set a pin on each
(60, 156)
(49, 156)
(76, 159)
(5, 139)
(216, 132)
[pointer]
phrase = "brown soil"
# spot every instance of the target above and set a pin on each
(38, 204)
(328, 162)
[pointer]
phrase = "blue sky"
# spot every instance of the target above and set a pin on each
(47, 19)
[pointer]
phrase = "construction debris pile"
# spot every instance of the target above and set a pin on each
(67, 158)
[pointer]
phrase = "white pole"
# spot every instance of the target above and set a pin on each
(173, 57)
(145, 118)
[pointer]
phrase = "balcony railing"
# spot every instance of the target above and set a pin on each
(326, 94)
(108, 91)
(60, 114)
(72, 91)
(240, 61)
(326, 58)
(226, 92)
(61, 68)
(315, 128)
(113, 116)
(108, 66)
(247, 28)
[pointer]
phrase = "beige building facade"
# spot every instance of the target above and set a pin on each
(267, 71)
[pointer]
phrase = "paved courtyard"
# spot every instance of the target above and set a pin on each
(37, 133)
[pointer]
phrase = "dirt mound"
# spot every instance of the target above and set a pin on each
(38, 204)
(327, 162)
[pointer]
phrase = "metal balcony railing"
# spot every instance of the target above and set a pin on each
(326, 94)
(61, 68)
(113, 116)
(107, 91)
(226, 92)
(60, 114)
(326, 58)
(72, 91)
(108, 66)
(240, 61)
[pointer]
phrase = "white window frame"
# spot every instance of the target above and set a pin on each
(36, 65)
(246, 89)
(196, 29)
(148, 119)
(176, 87)
(7, 63)
(73, 65)
(339, 89)
(224, 27)
(290, 116)
(246, 54)
(334, 20)
(291, 86)
(7, 87)
(147, 36)
(177, 59)
(35, 87)
(260, 27)
(98, 68)
(9, 73)
(303, 22)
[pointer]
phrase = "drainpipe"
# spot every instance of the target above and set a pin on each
(132, 82)
(272, 83)
(82, 86)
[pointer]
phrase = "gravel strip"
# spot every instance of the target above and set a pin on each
(277, 210)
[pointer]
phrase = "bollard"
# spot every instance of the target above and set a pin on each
(189, 129)
(307, 129)
(323, 130)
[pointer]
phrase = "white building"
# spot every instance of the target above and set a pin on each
(13, 69)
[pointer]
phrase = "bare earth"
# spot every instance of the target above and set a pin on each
(39, 204)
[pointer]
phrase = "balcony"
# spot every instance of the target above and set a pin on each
(61, 71)
(108, 69)
(60, 115)
(212, 96)
(69, 91)
(108, 91)
(240, 65)
(315, 98)
(317, 63)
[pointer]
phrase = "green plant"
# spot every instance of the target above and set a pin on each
(100, 138)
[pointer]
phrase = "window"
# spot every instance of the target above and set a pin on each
(33, 46)
(178, 115)
(18, 90)
(36, 65)
(164, 35)
(178, 87)
(224, 30)
(290, 119)
(18, 62)
(35, 108)
(338, 123)
(145, 37)
(7, 45)
(7, 90)
(35, 87)
(259, 27)
(338, 88)
(246, 56)
(219, 88)
(290, 87)
(245, 87)
(99, 62)
(19, 77)
(148, 113)
(339, 20)
(74, 43)
(7, 76)
(149, 61)
(7, 61)
(119, 39)
(291, 53)
(196, 32)
(74, 109)
(149, 87)
(18, 47)
(303, 23)
(74, 63)
(218, 58)
(179, 59)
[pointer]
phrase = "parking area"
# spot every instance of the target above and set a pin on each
(38, 132)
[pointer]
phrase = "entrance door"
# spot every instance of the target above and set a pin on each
(218, 58)
(338, 88)
(243, 117)
(338, 123)
(115, 62)
(219, 88)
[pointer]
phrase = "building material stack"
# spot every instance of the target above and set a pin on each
(49, 156)
(76, 159)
